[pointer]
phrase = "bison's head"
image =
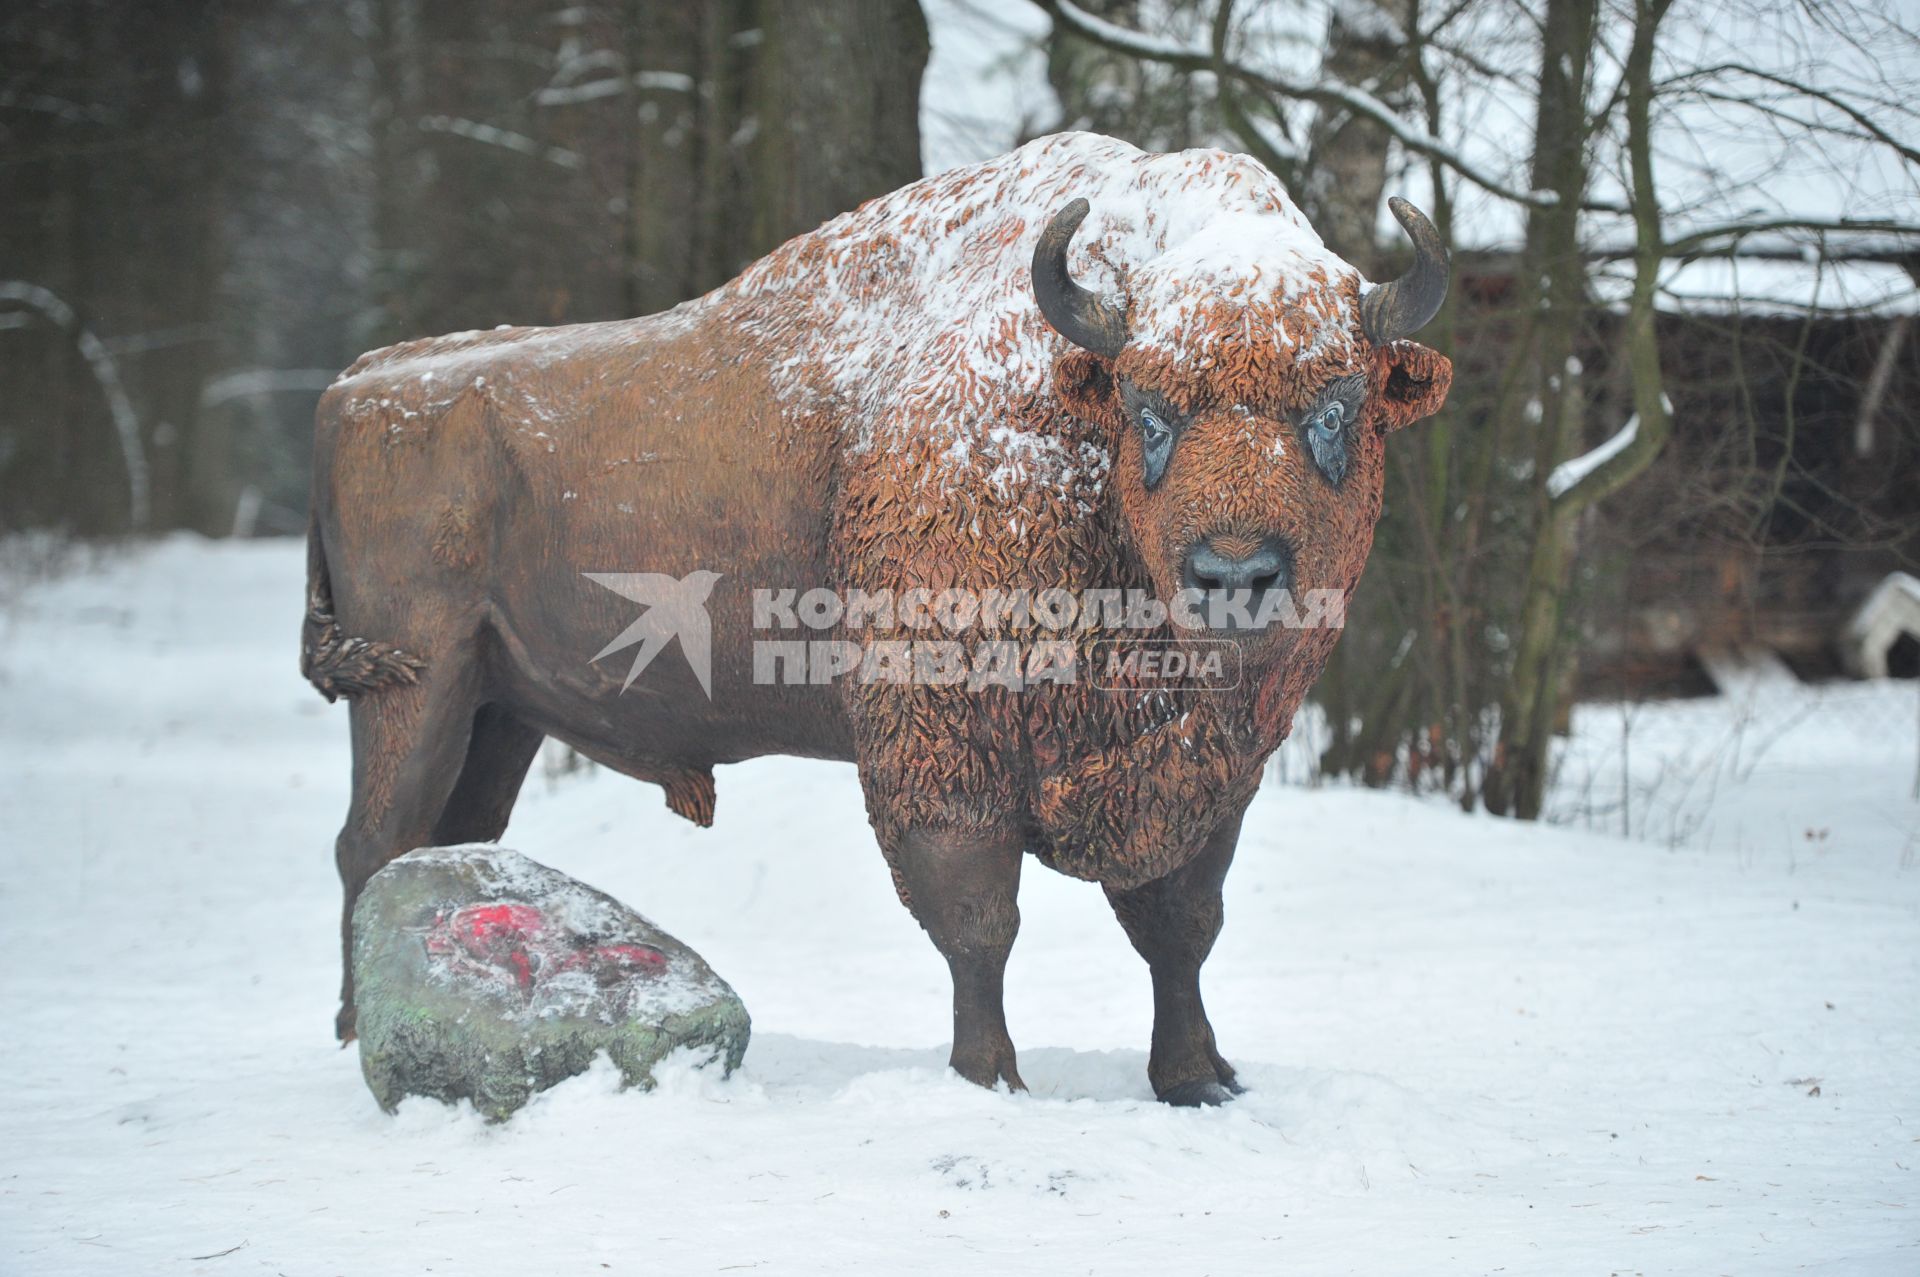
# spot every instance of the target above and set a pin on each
(1249, 404)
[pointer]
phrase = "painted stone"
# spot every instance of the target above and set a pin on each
(483, 975)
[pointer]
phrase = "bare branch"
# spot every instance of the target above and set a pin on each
(1702, 243)
(1865, 123)
(506, 139)
(248, 382)
(1578, 484)
(1325, 92)
(617, 86)
(1276, 151)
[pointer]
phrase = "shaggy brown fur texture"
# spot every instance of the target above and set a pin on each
(878, 405)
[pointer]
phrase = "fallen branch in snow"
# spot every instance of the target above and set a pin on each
(218, 1254)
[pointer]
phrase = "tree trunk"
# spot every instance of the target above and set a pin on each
(1102, 91)
(824, 141)
(1540, 688)
(1554, 270)
(116, 156)
(1347, 153)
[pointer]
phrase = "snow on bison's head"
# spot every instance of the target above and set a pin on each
(1248, 385)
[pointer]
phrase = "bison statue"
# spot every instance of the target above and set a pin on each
(1077, 367)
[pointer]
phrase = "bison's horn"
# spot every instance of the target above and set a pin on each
(1403, 306)
(1075, 313)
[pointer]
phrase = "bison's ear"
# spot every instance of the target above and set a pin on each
(1083, 383)
(1413, 382)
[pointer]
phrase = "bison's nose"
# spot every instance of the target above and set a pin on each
(1236, 581)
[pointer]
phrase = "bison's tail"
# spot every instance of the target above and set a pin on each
(334, 663)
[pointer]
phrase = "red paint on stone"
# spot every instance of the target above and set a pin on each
(512, 942)
(639, 955)
(487, 924)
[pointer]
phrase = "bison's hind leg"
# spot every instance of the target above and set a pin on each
(499, 752)
(410, 744)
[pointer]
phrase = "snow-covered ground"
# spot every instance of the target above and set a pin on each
(1473, 1045)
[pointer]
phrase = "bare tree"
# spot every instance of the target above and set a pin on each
(1475, 571)
(227, 201)
(130, 253)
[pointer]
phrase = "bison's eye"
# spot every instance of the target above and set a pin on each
(1326, 427)
(1161, 425)
(1326, 439)
(1328, 423)
(1156, 445)
(1155, 431)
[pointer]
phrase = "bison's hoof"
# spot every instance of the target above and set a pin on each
(1224, 1071)
(993, 1078)
(343, 1026)
(1202, 1092)
(991, 1069)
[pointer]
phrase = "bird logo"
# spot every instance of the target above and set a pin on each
(675, 609)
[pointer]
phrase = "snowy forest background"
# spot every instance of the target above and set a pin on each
(1668, 1029)
(1685, 231)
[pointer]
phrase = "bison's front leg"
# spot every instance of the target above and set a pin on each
(1172, 921)
(963, 889)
